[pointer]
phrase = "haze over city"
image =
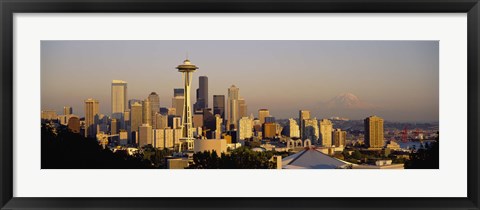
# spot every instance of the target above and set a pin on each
(397, 80)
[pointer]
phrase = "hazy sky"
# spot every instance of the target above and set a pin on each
(399, 80)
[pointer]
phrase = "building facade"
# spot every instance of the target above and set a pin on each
(374, 132)
(91, 117)
(311, 130)
(232, 107)
(119, 98)
(326, 129)
(339, 137)
(245, 128)
(262, 113)
(303, 115)
(219, 105)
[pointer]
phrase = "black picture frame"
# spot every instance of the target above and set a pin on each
(10, 7)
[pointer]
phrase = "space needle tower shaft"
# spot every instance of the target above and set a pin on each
(187, 69)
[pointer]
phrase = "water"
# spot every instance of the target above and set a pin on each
(410, 144)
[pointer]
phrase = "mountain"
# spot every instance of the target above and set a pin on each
(347, 101)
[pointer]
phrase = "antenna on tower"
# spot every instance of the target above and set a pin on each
(186, 56)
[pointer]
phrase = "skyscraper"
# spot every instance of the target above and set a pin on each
(178, 92)
(132, 101)
(119, 98)
(154, 107)
(339, 137)
(374, 132)
(146, 113)
(245, 128)
(161, 121)
(67, 110)
(145, 135)
(242, 108)
(326, 128)
(136, 116)
(187, 69)
(91, 117)
(202, 93)
(311, 129)
(293, 130)
(303, 115)
(269, 130)
(177, 104)
(262, 113)
(219, 105)
(232, 107)
(218, 126)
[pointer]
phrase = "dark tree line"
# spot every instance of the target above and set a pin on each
(241, 158)
(427, 157)
(67, 150)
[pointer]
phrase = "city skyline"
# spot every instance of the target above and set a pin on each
(371, 83)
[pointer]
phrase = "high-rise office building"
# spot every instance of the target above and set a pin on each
(145, 135)
(303, 115)
(136, 116)
(114, 126)
(374, 132)
(242, 108)
(219, 105)
(154, 107)
(169, 143)
(147, 112)
(176, 123)
(178, 92)
(91, 117)
(177, 104)
(198, 120)
(270, 119)
(161, 121)
(232, 107)
(202, 93)
(119, 98)
(262, 113)
(132, 101)
(123, 138)
(67, 110)
(218, 126)
(311, 129)
(326, 128)
(339, 137)
(293, 130)
(209, 122)
(159, 138)
(245, 128)
(269, 130)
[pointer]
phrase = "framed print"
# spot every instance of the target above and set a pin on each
(245, 105)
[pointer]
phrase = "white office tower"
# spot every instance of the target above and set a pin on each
(245, 128)
(326, 128)
(293, 129)
(119, 99)
(145, 135)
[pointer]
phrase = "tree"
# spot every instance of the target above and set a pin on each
(241, 158)
(424, 158)
(67, 150)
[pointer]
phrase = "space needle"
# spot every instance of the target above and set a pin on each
(187, 69)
